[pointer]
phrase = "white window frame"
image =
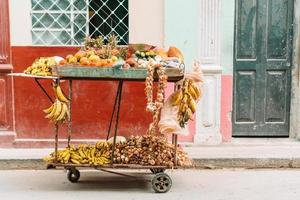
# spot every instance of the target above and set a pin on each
(72, 12)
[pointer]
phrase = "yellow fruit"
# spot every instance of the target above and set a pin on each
(192, 105)
(51, 114)
(196, 89)
(114, 58)
(75, 161)
(94, 58)
(176, 98)
(79, 55)
(72, 60)
(185, 98)
(75, 156)
(57, 110)
(60, 94)
(81, 153)
(63, 113)
(48, 110)
(192, 92)
(90, 53)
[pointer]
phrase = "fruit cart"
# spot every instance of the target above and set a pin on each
(161, 182)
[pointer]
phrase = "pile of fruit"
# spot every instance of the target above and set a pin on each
(89, 58)
(41, 66)
(186, 99)
(98, 154)
(140, 54)
(149, 150)
(141, 150)
(145, 54)
(96, 53)
(58, 112)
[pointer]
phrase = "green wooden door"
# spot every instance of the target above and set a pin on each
(262, 67)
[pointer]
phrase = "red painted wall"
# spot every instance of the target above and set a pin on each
(92, 103)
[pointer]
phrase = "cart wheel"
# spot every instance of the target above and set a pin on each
(161, 183)
(73, 175)
(157, 170)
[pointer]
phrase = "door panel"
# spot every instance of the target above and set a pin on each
(246, 34)
(245, 105)
(262, 67)
(276, 96)
(277, 29)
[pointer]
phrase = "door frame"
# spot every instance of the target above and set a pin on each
(294, 116)
(295, 93)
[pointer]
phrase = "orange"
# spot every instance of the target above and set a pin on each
(93, 63)
(85, 63)
(99, 63)
(83, 60)
(62, 62)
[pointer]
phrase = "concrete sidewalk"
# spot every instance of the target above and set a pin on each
(240, 153)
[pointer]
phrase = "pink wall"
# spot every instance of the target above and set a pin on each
(226, 107)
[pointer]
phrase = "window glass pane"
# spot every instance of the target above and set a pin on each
(62, 21)
(36, 36)
(35, 18)
(80, 5)
(41, 5)
(79, 28)
(46, 19)
(61, 38)
(61, 5)
(109, 16)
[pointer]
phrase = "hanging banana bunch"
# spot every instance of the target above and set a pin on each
(58, 112)
(185, 98)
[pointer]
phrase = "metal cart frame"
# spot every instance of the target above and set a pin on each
(161, 182)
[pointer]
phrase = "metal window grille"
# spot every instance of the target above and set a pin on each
(68, 22)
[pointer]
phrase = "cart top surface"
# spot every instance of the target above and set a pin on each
(94, 73)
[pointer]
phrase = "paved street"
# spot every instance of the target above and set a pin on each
(187, 184)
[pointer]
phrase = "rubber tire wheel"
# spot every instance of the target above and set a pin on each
(157, 170)
(73, 175)
(161, 182)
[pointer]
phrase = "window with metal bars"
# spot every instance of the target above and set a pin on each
(68, 22)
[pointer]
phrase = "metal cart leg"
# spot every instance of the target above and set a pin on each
(70, 111)
(117, 119)
(43, 89)
(175, 149)
(56, 142)
(113, 112)
(57, 81)
(174, 136)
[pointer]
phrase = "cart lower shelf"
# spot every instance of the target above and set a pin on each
(161, 182)
(112, 166)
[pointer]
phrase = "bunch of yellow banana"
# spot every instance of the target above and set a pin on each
(83, 154)
(58, 111)
(41, 66)
(59, 94)
(185, 99)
